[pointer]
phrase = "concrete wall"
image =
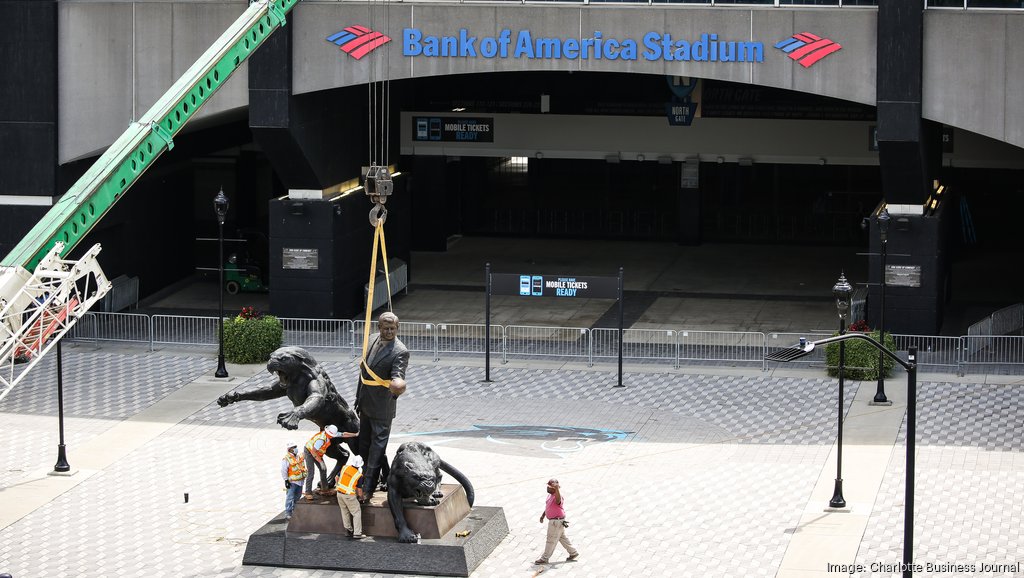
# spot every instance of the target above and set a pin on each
(117, 57)
(974, 72)
(848, 74)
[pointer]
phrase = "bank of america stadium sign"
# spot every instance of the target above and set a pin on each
(805, 48)
(524, 45)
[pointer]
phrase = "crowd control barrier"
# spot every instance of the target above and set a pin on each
(654, 347)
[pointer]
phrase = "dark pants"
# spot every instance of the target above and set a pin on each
(373, 445)
(312, 465)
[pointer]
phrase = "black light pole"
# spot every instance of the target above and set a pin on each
(842, 291)
(220, 207)
(908, 514)
(621, 291)
(62, 465)
(883, 234)
(487, 325)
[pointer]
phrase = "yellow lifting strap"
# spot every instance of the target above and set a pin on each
(378, 240)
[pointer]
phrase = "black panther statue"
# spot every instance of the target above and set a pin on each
(416, 475)
(310, 390)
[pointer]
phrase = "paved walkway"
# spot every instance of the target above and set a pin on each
(712, 472)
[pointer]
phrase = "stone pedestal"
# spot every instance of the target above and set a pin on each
(455, 538)
(323, 516)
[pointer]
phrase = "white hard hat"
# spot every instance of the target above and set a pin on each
(332, 431)
(356, 461)
(290, 446)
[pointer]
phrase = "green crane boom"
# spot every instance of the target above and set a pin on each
(110, 177)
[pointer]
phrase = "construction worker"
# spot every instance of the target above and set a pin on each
(293, 470)
(349, 494)
(314, 453)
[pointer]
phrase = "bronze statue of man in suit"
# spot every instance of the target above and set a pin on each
(381, 381)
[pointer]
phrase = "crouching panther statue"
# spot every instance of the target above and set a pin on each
(311, 392)
(416, 475)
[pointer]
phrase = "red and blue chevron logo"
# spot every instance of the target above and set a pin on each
(358, 41)
(807, 48)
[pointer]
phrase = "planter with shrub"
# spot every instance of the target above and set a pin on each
(861, 356)
(251, 336)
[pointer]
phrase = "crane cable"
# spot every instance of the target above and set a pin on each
(379, 120)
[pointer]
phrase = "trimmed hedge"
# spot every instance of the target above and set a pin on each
(253, 339)
(861, 358)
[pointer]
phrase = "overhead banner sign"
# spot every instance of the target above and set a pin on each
(587, 287)
(452, 129)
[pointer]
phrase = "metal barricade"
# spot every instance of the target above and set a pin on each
(184, 330)
(124, 293)
(993, 353)
(418, 337)
(943, 353)
(83, 330)
(316, 333)
(774, 341)
(1003, 322)
(528, 342)
(727, 347)
(639, 344)
(996, 353)
(466, 338)
(123, 327)
(1006, 321)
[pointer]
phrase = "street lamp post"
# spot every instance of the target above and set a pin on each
(842, 291)
(220, 207)
(805, 347)
(62, 466)
(883, 234)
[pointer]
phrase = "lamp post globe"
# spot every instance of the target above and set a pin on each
(883, 235)
(843, 292)
(220, 207)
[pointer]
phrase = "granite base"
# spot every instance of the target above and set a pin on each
(450, 555)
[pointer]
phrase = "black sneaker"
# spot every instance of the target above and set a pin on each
(572, 557)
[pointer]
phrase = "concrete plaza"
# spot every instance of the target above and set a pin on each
(691, 472)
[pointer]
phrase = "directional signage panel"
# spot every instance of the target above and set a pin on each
(453, 129)
(529, 285)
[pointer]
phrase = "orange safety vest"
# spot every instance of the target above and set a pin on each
(348, 480)
(296, 468)
(318, 453)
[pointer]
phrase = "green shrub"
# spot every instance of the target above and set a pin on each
(251, 337)
(861, 358)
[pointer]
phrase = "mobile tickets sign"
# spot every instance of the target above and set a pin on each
(584, 287)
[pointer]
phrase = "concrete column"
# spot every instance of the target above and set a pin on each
(910, 155)
(28, 124)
